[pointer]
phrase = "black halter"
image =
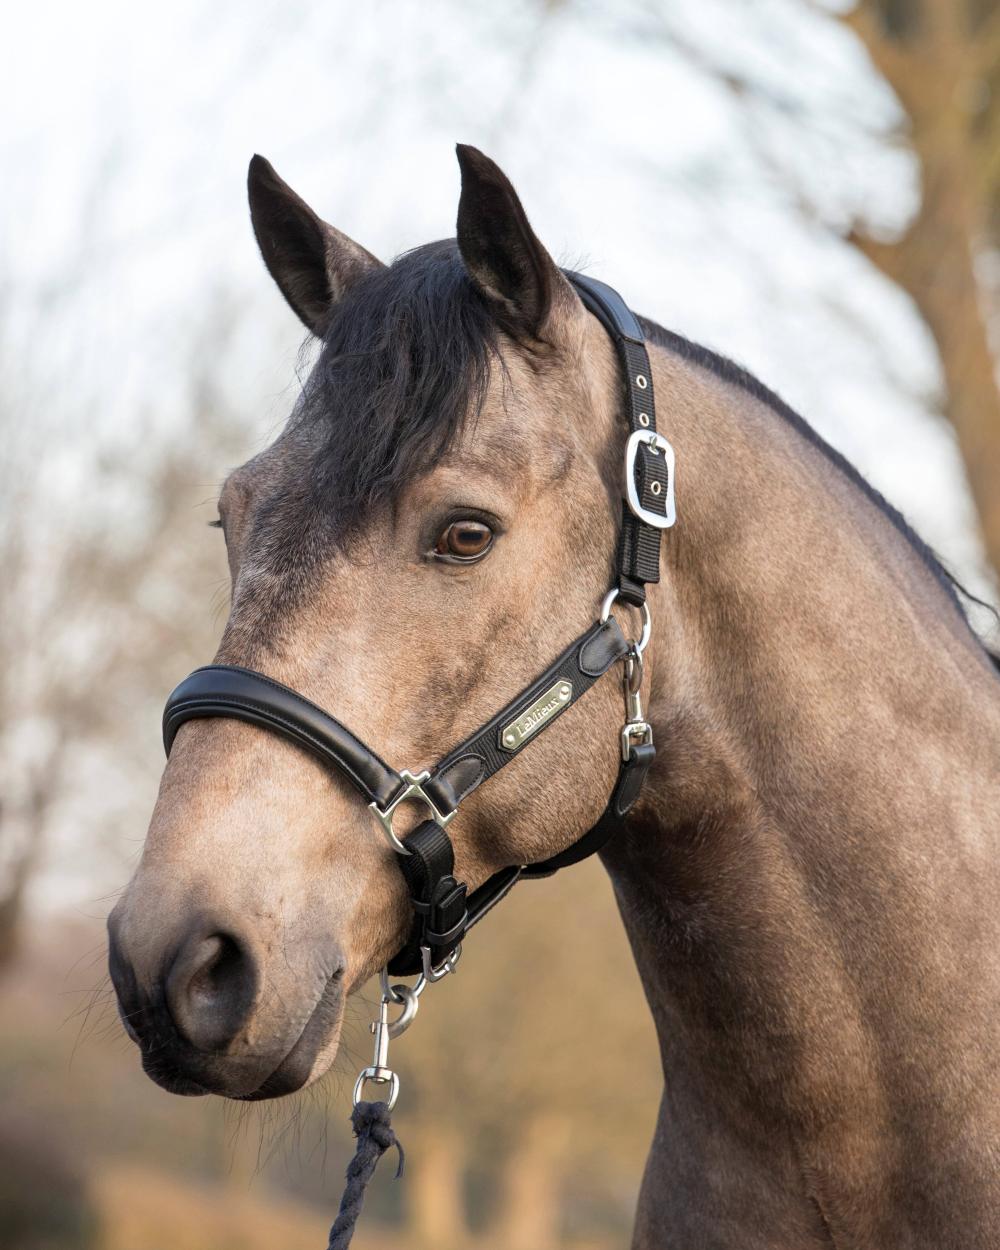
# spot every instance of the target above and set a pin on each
(443, 909)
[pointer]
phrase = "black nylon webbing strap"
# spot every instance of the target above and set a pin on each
(433, 857)
(407, 962)
(639, 542)
(631, 776)
(440, 918)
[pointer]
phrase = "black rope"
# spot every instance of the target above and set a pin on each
(373, 1129)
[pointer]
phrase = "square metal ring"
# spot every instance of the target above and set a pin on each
(414, 789)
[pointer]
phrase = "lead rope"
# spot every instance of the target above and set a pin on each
(371, 1120)
(373, 1129)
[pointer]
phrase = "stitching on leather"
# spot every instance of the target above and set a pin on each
(274, 684)
(221, 702)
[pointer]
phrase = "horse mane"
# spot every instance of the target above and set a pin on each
(735, 375)
(405, 364)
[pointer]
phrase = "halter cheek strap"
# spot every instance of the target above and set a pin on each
(443, 909)
(648, 497)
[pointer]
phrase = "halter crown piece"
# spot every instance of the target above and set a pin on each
(443, 908)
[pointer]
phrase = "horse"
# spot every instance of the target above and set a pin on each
(810, 879)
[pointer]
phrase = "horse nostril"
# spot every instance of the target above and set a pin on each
(220, 964)
(210, 989)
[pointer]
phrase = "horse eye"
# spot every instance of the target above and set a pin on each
(463, 540)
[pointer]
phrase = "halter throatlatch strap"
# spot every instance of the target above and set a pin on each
(631, 777)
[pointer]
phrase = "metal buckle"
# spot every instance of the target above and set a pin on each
(658, 444)
(432, 975)
(414, 789)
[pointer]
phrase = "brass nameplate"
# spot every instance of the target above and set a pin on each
(544, 709)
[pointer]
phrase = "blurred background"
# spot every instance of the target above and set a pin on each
(811, 188)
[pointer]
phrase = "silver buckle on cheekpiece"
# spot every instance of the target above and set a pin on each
(414, 789)
(658, 445)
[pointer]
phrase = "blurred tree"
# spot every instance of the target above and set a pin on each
(942, 59)
(798, 123)
(44, 1202)
(95, 568)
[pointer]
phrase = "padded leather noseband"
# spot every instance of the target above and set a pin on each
(242, 694)
(443, 909)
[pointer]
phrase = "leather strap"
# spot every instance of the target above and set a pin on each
(485, 752)
(442, 914)
(481, 901)
(242, 694)
(631, 776)
(443, 910)
(608, 307)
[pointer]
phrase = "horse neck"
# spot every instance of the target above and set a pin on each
(810, 884)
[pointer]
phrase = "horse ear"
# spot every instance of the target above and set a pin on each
(312, 263)
(501, 251)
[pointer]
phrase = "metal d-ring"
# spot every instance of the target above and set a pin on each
(429, 975)
(647, 620)
(413, 789)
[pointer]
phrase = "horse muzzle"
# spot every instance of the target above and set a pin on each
(207, 1017)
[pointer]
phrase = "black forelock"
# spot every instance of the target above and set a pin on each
(405, 362)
